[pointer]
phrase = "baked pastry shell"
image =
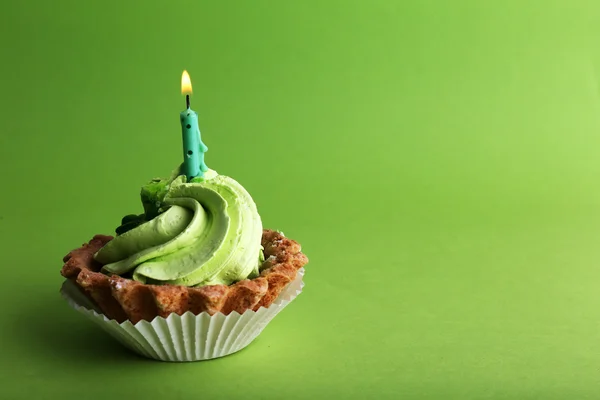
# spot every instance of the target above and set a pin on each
(177, 323)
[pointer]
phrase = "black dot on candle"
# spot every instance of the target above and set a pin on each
(190, 152)
(188, 126)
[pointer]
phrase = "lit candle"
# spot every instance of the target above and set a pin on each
(193, 148)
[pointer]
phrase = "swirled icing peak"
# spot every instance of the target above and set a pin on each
(207, 231)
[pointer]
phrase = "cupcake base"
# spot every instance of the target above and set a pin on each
(124, 299)
(186, 337)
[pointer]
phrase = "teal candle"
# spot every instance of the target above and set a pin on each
(193, 148)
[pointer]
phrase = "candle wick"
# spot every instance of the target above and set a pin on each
(187, 101)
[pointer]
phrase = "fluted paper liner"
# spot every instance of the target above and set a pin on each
(186, 337)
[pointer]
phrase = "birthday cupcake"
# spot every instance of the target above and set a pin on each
(193, 277)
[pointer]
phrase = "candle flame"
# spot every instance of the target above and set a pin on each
(186, 83)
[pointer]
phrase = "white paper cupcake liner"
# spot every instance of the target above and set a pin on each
(186, 337)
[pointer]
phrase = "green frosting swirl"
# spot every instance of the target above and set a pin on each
(200, 233)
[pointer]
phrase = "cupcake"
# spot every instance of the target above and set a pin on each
(193, 277)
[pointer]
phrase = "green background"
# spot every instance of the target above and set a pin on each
(438, 161)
